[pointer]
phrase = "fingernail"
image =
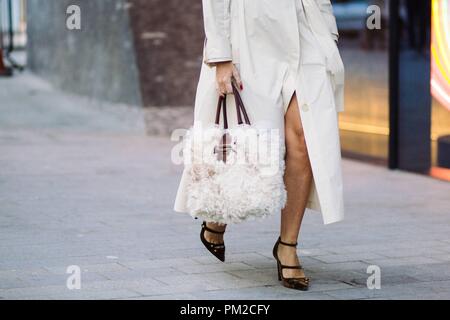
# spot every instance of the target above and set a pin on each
(242, 87)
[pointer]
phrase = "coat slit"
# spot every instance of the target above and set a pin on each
(313, 199)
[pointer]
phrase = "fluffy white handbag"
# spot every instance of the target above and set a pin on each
(234, 175)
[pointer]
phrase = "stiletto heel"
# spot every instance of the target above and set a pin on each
(292, 283)
(217, 249)
(278, 267)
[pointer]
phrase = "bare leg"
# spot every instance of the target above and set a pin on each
(298, 179)
(213, 237)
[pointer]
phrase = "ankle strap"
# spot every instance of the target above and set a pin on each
(211, 230)
(287, 244)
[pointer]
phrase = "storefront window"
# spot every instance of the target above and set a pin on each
(440, 87)
(365, 123)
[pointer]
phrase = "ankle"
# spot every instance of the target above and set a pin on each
(213, 237)
(288, 241)
(216, 226)
(286, 250)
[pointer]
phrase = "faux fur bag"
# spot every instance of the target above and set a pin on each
(234, 175)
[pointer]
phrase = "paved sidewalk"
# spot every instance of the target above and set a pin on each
(86, 187)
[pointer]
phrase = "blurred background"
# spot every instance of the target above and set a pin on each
(147, 55)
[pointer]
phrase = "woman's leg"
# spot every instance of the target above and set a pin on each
(214, 237)
(297, 178)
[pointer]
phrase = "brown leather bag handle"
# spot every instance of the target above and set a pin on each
(240, 109)
(222, 103)
(239, 102)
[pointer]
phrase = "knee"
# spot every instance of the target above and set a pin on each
(295, 143)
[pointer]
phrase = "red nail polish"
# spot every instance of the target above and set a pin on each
(242, 87)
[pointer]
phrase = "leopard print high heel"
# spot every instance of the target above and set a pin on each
(292, 283)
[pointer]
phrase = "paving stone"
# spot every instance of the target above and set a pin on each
(190, 286)
(141, 273)
(262, 293)
(408, 261)
(264, 276)
(327, 285)
(60, 279)
(356, 294)
(251, 259)
(215, 267)
(42, 292)
(8, 283)
(95, 294)
(341, 267)
(173, 296)
(98, 193)
(105, 267)
(160, 263)
(313, 252)
(207, 280)
(122, 284)
(409, 252)
(337, 258)
(445, 257)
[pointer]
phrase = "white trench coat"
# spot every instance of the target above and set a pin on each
(277, 53)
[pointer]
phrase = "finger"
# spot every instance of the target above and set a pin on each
(219, 91)
(226, 84)
(229, 87)
(237, 78)
(220, 87)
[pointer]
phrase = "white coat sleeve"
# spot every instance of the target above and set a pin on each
(216, 17)
(327, 10)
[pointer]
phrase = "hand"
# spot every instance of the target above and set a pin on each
(226, 72)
